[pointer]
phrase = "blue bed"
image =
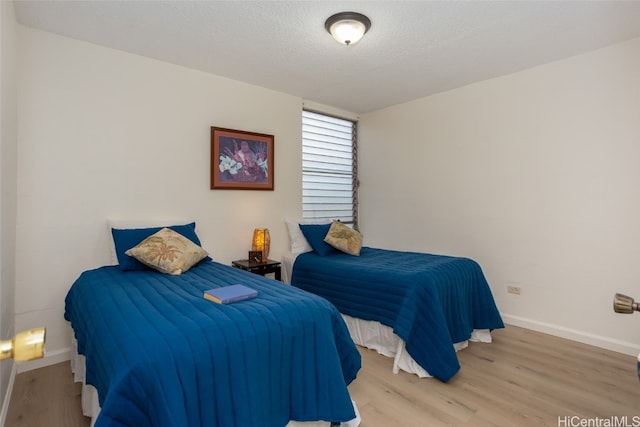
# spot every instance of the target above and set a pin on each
(430, 301)
(160, 355)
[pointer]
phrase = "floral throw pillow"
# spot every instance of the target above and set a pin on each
(168, 252)
(344, 238)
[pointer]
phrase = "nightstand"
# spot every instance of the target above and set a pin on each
(261, 268)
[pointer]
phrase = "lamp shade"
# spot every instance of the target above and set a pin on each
(261, 242)
(26, 345)
(347, 27)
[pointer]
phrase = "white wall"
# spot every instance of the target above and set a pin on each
(536, 175)
(8, 192)
(105, 134)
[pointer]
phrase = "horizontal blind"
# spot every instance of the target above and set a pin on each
(327, 167)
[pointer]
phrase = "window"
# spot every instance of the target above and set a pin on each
(329, 168)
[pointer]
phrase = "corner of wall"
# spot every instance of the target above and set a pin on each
(6, 399)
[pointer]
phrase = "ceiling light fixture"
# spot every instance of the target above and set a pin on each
(347, 27)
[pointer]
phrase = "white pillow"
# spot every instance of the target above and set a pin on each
(299, 244)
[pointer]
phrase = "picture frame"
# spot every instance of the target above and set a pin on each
(241, 160)
(255, 257)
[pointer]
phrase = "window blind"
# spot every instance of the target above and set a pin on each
(329, 178)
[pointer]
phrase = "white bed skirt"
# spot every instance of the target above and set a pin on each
(91, 407)
(376, 336)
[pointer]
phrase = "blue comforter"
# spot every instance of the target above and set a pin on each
(430, 301)
(160, 355)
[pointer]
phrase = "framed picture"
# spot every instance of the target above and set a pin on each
(255, 257)
(241, 160)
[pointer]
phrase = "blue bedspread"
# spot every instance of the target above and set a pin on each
(160, 355)
(430, 301)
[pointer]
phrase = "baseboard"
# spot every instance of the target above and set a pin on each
(7, 397)
(574, 335)
(50, 358)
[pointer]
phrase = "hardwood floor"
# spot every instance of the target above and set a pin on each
(46, 397)
(524, 378)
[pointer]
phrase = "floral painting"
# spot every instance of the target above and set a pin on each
(241, 160)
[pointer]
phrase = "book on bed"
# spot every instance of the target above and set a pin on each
(230, 294)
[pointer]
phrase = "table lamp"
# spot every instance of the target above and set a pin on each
(261, 242)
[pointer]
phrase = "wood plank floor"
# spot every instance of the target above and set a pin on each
(524, 378)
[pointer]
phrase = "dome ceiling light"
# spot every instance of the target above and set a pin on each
(347, 27)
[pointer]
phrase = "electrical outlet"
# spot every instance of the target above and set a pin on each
(512, 289)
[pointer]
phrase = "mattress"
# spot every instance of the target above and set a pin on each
(158, 354)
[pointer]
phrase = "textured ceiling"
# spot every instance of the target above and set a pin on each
(414, 48)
